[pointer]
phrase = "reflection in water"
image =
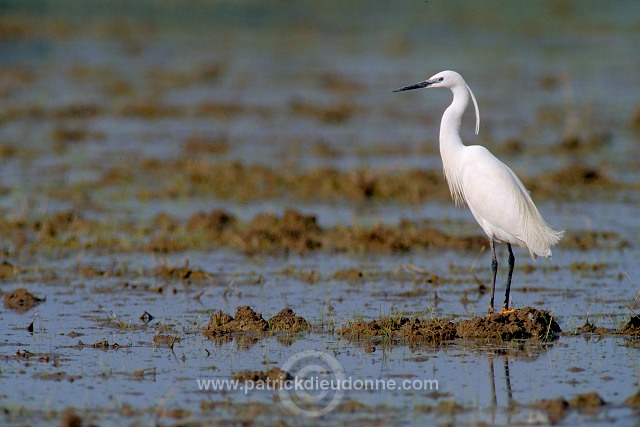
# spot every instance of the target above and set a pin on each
(492, 379)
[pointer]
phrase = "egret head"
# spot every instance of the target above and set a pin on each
(447, 79)
(450, 80)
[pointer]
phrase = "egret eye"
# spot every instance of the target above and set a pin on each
(441, 79)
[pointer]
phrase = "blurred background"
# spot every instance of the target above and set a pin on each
(92, 93)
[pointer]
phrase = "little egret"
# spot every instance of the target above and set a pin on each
(495, 195)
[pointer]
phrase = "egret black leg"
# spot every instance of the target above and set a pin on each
(512, 263)
(494, 269)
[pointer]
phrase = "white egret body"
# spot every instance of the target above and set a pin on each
(495, 195)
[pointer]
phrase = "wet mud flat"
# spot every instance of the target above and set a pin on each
(169, 217)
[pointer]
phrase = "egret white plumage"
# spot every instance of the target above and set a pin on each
(495, 195)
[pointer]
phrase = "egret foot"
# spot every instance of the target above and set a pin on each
(507, 311)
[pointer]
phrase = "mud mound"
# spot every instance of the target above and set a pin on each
(403, 328)
(556, 409)
(518, 324)
(248, 321)
(404, 237)
(272, 377)
(433, 331)
(214, 222)
(7, 270)
(580, 175)
(387, 326)
(70, 419)
(287, 321)
(294, 231)
(60, 223)
(633, 400)
(590, 328)
(632, 327)
(587, 401)
(20, 300)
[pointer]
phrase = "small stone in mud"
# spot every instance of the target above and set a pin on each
(516, 324)
(246, 320)
(272, 377)
(146, 317)
(287, 321)
(20, 300)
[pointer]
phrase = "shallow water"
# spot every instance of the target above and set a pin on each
(93, 95)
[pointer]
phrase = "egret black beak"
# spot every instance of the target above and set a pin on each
(415, 86)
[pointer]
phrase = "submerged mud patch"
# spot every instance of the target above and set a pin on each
(524, 323)
(273, 376)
